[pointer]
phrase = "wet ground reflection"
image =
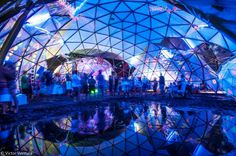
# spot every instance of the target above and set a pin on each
(147, 128)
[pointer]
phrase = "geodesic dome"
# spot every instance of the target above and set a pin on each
(146, 37)
(227, 77)
(87, 65)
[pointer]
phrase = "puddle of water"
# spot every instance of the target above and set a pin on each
(127, 128)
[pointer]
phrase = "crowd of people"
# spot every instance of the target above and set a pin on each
(180, 88)
(79, 86)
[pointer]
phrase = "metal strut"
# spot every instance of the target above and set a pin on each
(14, 32)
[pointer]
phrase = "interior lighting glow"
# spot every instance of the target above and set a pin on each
(167, 54)
(38, 19)
(189, 43)
(233, 72)
(60, 42)
(34, 56)
(137, 127)
(43, 30)
(134, 60)
(15, 48)
(230, 92)
(214, 81)
(67, 7)
(203, 26)
(77, 10)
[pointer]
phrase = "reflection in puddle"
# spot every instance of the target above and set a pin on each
(87, 122)
(127, 128)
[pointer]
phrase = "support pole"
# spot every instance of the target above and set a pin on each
(13, 33)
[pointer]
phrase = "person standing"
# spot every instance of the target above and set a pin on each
(110, 80)
(48, 82)
(113, 83)
(125, 84)
(76, 84)
(11, 83)
(91, 83)
(57, 85)
(84, 83)
(36, 86)
(145, 84)
(25, 85)
(30, 93)
(68, 84)
(138, 85)
(100, 81)
(183, 85)
(162, 84)
(155, 83)
(116, 83)
(5, 97)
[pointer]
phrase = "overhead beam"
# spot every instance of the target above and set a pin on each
(9, 13)
(4, 2)
(14, 32)
(214, 20)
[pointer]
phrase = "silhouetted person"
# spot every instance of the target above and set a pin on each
(91, 83)
(48, 81)
(5, 75)
(110, 80)
(76, 84)
(162, 84)
(84, 82)
(68, 84)
(155, 83)
(113, 83)
(100, 81)
(125, 86)
(164, 114)
(26, 86)
(11, 83)
(145, 84)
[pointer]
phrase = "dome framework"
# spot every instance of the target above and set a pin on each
(151, 36)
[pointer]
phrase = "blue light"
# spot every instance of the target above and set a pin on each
(38, 19)
(77, 10)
